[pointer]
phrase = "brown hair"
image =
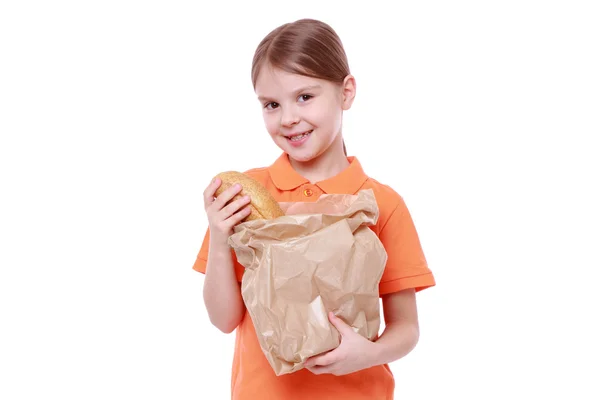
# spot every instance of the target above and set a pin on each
(307, 47)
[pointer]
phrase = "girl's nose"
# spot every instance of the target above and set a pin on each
(289, 118)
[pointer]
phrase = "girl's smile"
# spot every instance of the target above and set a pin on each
(298, 139)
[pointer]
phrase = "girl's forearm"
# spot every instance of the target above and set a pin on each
(222, 295)
(397, 340)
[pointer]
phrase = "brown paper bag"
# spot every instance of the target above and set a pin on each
(320, 257)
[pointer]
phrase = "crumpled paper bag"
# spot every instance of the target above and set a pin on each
(320, 257)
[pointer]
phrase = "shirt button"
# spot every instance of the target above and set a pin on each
(308, 192)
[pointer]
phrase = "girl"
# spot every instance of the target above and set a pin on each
(301, 77)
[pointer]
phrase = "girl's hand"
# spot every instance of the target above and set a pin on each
(354, 353)
(222, 217)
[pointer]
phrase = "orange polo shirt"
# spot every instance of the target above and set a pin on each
(252, 376)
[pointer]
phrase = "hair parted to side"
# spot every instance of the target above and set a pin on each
(306, 47)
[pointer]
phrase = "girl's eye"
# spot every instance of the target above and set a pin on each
(270, 106)
(305, 97)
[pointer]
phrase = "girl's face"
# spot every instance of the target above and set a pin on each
(303, 115)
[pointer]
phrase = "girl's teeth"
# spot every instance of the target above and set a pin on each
(300, 137)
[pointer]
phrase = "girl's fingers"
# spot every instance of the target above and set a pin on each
(238, 216)
(226, 196)
(234, 206)
(209, 192)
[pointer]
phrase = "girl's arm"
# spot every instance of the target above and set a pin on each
(222, 295)
(356, 352)
(401, 332)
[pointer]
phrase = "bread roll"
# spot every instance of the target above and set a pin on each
(262, 204)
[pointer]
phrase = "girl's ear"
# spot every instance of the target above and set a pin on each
(348, 92)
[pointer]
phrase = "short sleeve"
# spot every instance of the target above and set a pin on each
(202, 258)
(406, 266)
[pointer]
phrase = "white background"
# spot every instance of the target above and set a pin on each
(114, 116)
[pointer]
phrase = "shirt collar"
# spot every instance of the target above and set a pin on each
(349, 181)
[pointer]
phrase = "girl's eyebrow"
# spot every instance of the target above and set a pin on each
(263, 99)
(296, 92)
(307, 88)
